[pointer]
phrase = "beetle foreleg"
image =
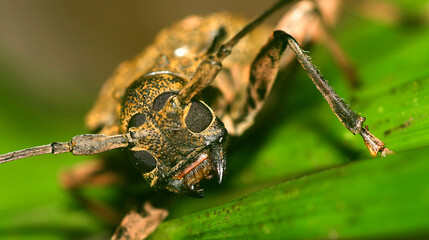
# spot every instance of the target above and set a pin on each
(263, 69)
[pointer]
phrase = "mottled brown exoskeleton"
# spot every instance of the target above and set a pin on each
(174, 104)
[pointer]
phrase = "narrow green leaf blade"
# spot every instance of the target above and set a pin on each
(392, 200)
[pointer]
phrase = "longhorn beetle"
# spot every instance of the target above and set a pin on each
(157, 106)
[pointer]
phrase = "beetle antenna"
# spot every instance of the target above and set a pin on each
(225, 49)
(87, 144)
(212, 64)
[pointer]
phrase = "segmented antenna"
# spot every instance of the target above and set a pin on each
(212, 64)
(87, 144)
(225, 49)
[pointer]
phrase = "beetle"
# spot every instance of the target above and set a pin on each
(175, 139)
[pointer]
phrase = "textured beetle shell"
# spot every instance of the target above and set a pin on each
(142, 92)
(194, 34)
(138, 99)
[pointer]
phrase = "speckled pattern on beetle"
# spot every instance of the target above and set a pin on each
(204, 78)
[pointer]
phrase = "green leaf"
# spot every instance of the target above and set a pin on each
(364, 199)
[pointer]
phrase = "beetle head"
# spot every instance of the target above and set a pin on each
(176, 145)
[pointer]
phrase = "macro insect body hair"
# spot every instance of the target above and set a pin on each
(177, 140)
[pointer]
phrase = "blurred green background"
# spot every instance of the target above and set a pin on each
(54, 56)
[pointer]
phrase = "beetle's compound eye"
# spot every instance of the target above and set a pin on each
(161, 99)
(137, 120)
(143, 160)
(199, 117)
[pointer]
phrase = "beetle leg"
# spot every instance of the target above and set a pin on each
(139, 225)
(350, 119)
(313, 19)
(264, 69)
